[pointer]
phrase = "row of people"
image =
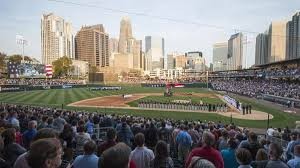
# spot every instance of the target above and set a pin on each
(183, 106)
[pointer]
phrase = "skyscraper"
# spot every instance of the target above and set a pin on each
(293, 37)
(125, 35)
(92, 45)
(235, 52)
(195, 61)
(113, 45)
(261, 49)
(128, 46)
(56, 38)
(277, 42)
(137, 44)
(154, 50)
(180, 61)
(220, 56)
(170, 61)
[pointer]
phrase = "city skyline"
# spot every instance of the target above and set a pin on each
(191, 38)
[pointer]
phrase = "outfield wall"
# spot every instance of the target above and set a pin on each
(18, 88)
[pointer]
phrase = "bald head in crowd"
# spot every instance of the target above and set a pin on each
(208, 139)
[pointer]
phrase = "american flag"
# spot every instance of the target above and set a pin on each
(13, 70)
(48, 70)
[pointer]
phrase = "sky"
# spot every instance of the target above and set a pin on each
(198, 23)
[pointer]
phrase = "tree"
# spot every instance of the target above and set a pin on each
(18, 58)
(62, 67)
(2, 60)
(93, 69)
(15, 58)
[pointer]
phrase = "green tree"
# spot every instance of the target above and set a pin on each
(18, 58)
(15, 58)
(62, 67)
(93, 69)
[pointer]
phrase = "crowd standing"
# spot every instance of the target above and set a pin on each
(257, 87)
(37, 137)
(263, 73)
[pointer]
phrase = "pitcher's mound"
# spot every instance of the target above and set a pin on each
(255, 115)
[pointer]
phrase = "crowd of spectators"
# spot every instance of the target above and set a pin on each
(38, 137)
(293, 73)
(40, 82)
(257, 87)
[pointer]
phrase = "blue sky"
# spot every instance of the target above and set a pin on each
(23, 17)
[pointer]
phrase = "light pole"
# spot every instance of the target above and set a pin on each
(207, 79)
(21, 41)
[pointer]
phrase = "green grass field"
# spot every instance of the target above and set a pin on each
(57, 97)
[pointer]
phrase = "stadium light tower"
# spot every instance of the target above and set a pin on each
(21, 41)
(207, 79)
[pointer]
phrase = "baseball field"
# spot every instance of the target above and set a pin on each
(111, 101)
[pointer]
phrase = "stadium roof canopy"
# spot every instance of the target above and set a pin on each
(285, 63)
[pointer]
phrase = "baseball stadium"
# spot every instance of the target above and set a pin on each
(149, 84)
(124, 99)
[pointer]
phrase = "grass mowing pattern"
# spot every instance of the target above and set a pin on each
(57, 97)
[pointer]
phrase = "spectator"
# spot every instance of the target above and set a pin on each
(111, 141)
(207, 151)
(11, 149)
(251, 144)
(124, 133)
(270, 131)
(151, 136)
(222, 143)
(19, 136)
(50, 123)
(115, 157)
(44, 123)
(141, 155)
(243, 157)
(198, 162)
(229, 154)
(196, 137)
(261, 155)
(67, 137)
(29, 134)
(295, 163)
(295, 140)
(58, 122)
(12, 119)
(164, 133)
(89, 159)
(22, 162)
(275, 152)
(80, 139)
(162, 159)
(90, 127)
(184, 142)
(3, 163)
(45, 153)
